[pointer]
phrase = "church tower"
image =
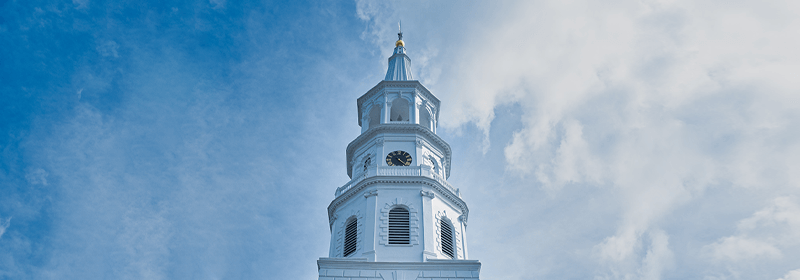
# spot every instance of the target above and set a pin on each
(398, 218)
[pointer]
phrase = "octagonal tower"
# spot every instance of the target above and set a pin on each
(398, 217)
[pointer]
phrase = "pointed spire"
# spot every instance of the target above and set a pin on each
(399, 63)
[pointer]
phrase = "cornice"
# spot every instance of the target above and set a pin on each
(428, 265)
(384, 128)
(444, 193)
(398, 84)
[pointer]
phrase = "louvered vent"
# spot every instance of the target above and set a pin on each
(350, 237)
(447, 238)
(398, 226)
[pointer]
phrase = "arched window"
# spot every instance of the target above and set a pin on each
(398, 226)
(374, 116)
(424, 118)
(447, 238)
(350, 236)
(367, 163)
(399, 110)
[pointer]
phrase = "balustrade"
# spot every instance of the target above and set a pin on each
(423, 171)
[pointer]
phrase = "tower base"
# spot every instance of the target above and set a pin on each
(361, 269)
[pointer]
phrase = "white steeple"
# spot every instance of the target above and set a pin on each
(398, 217)
(399, 63)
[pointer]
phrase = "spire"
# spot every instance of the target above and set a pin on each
(399, 63)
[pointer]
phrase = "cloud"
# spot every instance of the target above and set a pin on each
(217, 4)
(737, 248)
(108, 48)
(4, 225)
(37, 177)
(791, 275)
(656, 102)
(763, 234)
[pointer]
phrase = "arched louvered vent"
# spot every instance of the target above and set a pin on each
(398, 226)
(350, 237)
(447, 238)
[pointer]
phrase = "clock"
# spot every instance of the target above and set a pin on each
(398, 158)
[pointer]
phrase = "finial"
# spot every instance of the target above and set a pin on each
(400, 28)
(399, 35)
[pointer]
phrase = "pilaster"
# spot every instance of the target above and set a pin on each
(463, 222)
(370, 240)
(429, 247)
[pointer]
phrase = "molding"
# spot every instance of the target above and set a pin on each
(332, 219)
(422, 133)
(371, 193)
(444, 193)
(428, 265)
(463, 219)
(427, 193)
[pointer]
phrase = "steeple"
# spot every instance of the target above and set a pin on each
(398, 217)
(399, 63)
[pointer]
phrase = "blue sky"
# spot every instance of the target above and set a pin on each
(205, 139)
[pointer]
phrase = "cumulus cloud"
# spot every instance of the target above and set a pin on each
(654, 101)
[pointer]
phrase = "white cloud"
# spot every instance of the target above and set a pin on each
(4, 225)
(737, 248)
(657, 102)
(792, 275)
(763, 234)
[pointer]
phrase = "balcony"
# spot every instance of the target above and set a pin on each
(421, 171)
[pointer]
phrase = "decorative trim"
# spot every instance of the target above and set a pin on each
(332, 219)
(442, 215)
(427, 193)
(423, 133)
(413, 221)
(433, 184)
(371, 193)
(408, 96)
(463, 219)
(359, 235)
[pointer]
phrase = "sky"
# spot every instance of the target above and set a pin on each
(591, 139)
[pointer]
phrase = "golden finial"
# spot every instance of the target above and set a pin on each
(399, 36)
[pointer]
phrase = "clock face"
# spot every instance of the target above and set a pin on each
(398, 158)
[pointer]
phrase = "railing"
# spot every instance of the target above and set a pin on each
(423, 171)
